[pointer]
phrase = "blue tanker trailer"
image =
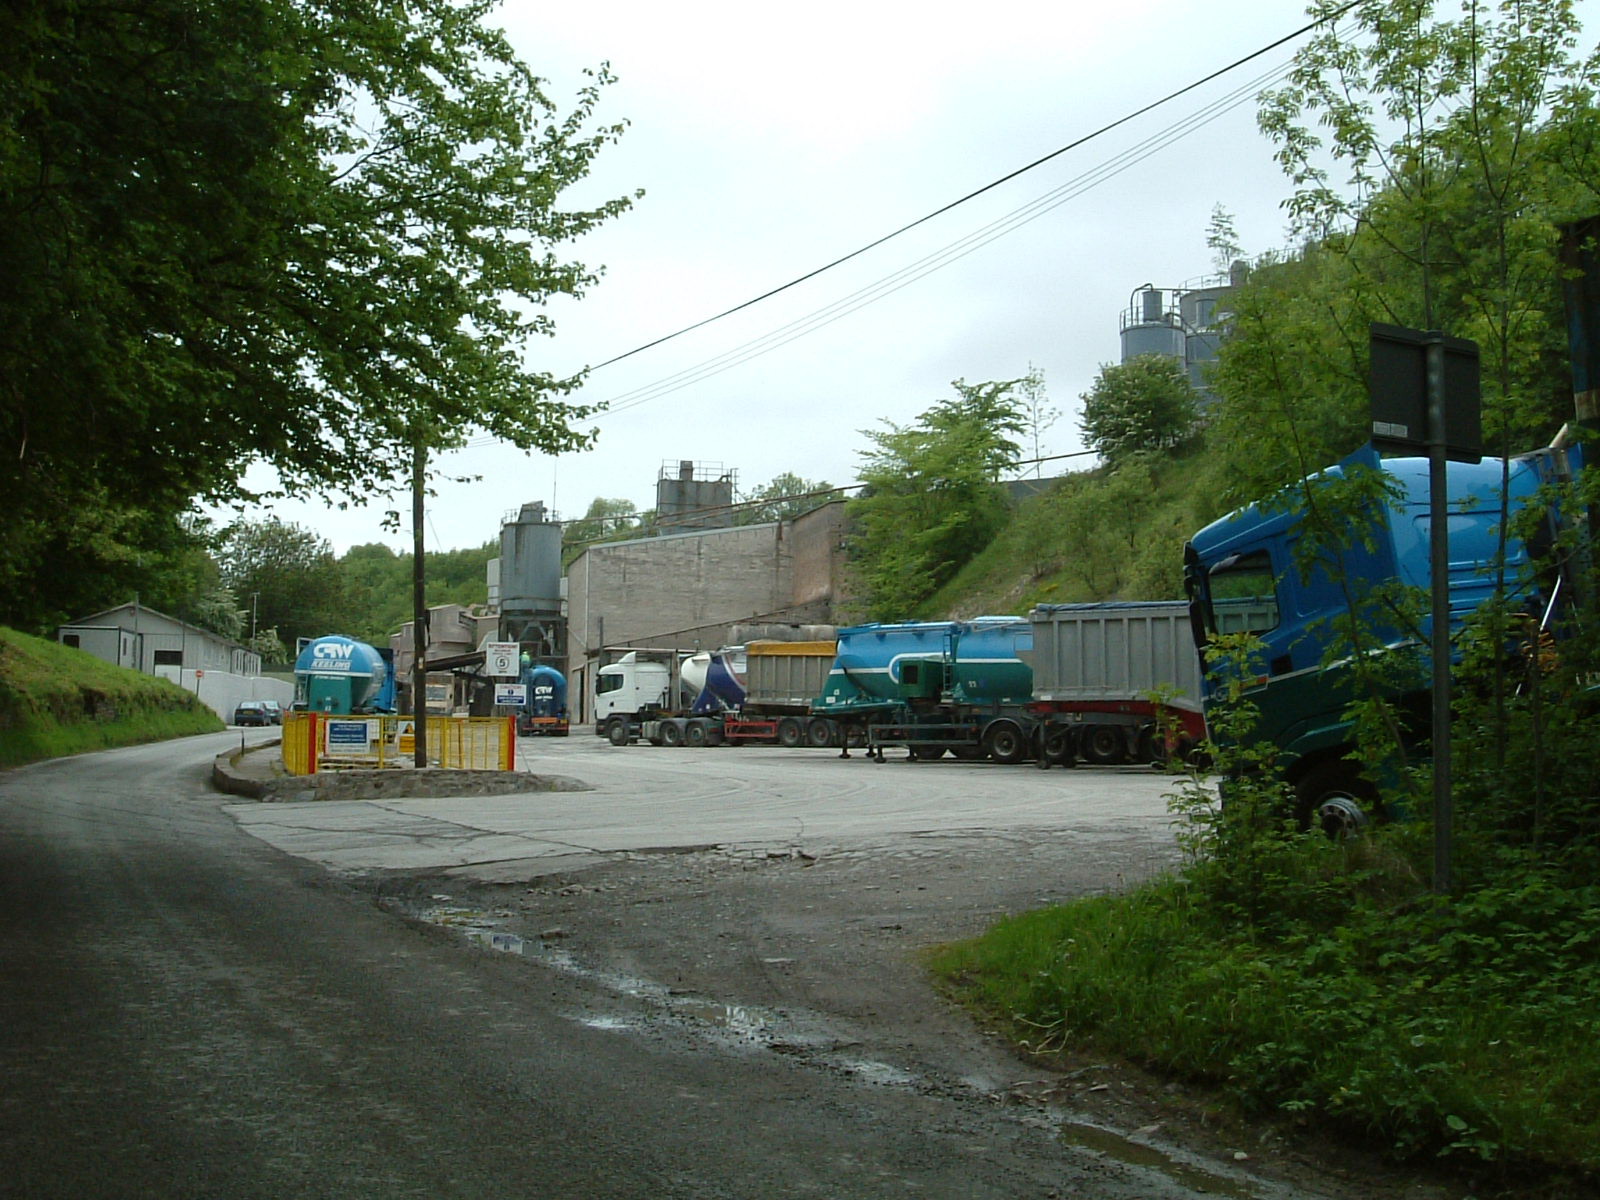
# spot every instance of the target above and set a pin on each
(934, 687)
(338, 674)
(545, 714)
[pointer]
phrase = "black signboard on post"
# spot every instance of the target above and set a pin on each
(1398, 378)
(1425, 398)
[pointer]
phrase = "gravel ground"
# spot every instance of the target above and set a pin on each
(813, 955)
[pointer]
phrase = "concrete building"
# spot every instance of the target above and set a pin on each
(453, 657)
(220, 671)
(692, 591)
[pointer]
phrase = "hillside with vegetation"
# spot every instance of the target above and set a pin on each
(1341, 985)
(55, 700)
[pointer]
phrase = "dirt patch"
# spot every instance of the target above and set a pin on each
(814, 954)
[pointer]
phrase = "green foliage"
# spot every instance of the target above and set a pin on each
(293, 231)
(931, 498)
(1108, 534)
(1456, 170)
(606, 520)
(287, 574)
(1146, 403)
(1320, 978)
(55, 700)
(786, 497)
(377, 586)
(1038, 414)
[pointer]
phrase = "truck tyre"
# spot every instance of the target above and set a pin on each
(820, 732)
(671, 733)
(969, 753)
(1333, 797)
(1103, 745)
(694, 733)
(790, 733)
(1059, 746)
(1005, 742)
(617, 731)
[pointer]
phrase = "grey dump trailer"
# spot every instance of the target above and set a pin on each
(1115, 682)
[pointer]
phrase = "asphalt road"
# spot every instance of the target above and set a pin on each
(206, 999)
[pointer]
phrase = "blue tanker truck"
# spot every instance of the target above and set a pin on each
(337, 674)
(545, 714)
(1246, 562)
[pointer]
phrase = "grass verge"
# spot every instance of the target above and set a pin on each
(1462, 1028)
(56, 700)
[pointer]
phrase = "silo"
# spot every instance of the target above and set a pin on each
(530, 582)
(694, 495)
(1150, 327)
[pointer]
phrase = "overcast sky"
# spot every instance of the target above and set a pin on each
(771, 140)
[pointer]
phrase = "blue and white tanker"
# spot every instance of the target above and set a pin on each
(545, 714)
(340, 675)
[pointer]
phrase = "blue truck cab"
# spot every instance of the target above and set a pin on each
(1242, 575)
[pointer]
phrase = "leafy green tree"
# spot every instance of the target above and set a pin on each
(931, 497)
(1038, 414)
(605, 520)
(1146, 403)
(289, 575)
(307, 233)
(1223, 238)
(217, 609)
(1455, 170)
(784, 498)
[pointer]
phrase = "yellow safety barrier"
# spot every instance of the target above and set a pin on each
(315, 742)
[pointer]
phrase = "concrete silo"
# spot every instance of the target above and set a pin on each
(531, 610)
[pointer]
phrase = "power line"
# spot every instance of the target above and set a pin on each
(948, 254)
(1038, 162)
(937, 260)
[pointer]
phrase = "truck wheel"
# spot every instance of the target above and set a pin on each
(969, 753)
(1333, 797)
(855, 737)
(1059, 746)
(694, 733)
(1103, 745)
(820, 732)
(617, 731)
(790, 733)
(671, 733)
(1005, 743)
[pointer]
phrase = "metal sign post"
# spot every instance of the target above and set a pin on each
(1425, 398)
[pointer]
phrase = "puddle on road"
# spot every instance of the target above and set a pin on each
(748, 1026)
(1138, 1154)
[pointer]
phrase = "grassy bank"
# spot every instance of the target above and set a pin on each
(1343, 995)
(56, 700)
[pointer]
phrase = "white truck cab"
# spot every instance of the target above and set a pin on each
(629, 686)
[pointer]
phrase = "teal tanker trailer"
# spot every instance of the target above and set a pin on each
(935, 687)
(337, 674)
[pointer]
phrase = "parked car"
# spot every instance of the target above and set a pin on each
(252, 712)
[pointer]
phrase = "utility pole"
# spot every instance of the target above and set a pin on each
(419, 605)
